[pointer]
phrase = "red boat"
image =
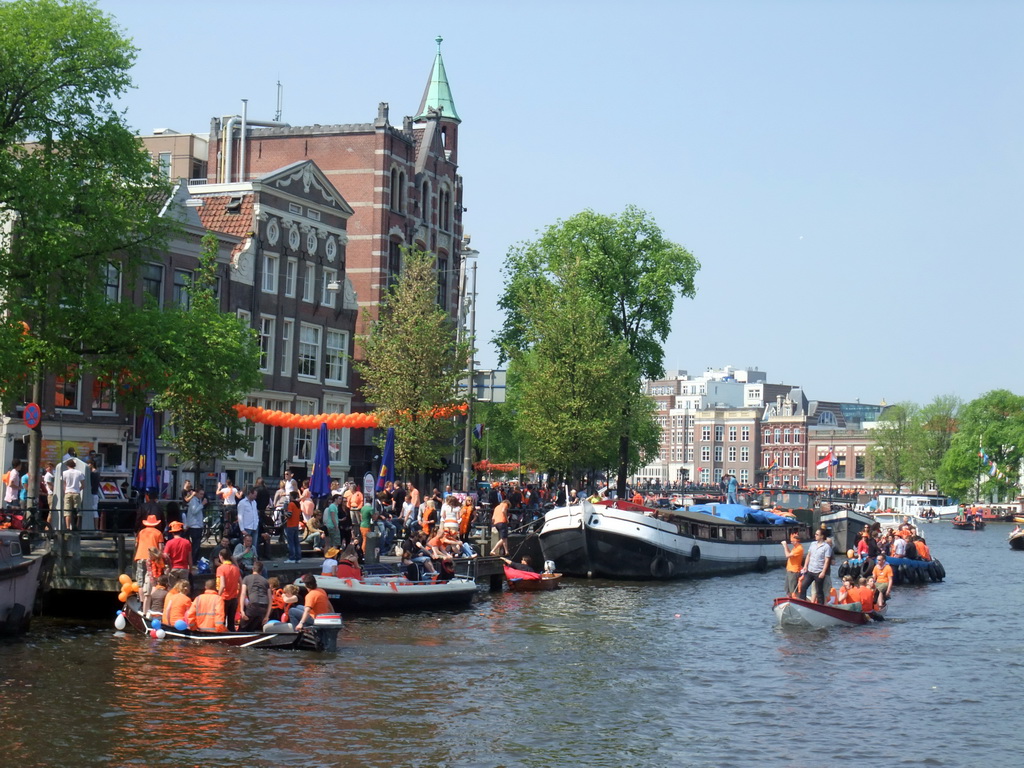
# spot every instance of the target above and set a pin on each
(794, 612)
(527, 581)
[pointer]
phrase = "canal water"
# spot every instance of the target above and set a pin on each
(596, 674)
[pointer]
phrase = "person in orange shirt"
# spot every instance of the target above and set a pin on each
(176, 604)
(207, 611)
(355, 501)
(794, 563)
(293, 517)
(229, 587)
(317, 604)
(148, 538)
(923, 552)
(882, 574)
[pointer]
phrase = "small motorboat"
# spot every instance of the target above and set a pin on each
(279, 635)
(395, 592)
(968, 524)
(804, 614)
(20, 574)
(1016, 540)
(528, 581)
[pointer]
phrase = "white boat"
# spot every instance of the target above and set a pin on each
(925, 508)
(19, 581)
(892, 520)
(804, 614)
(617, 539)
(394, 593)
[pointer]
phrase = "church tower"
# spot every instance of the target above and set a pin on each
(438, 107)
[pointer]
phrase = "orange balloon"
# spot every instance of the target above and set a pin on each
(25, 328)
(135, 586)
(123, 596)
(124, 578)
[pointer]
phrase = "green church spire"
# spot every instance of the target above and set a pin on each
(438, 94)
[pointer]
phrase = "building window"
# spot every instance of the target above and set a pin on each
(718, 453)
(732, 454)
(718, 474)
(291, 271)
(309, 281)
(745, 434)
(705, 476)
(796, 460)
(287, 346)
(112, 280)
(859, 466)
(689, 454)
(705, 453)
(181, 288)
(719, 433)
(744, 476)
(786, 435)
(785, 459)
(66, 388)
(326, 294)
(266, 343)
(102, 395)
(164, 161)
(442, 282)
(394, 262)
(309, 351)
(444, 206)
(337, 356)
(744, 454)
(732, 434)
(152, 283)
(270, 267)
(705, 433)
(796, 435)
(303, 438)
(425, 202)
(840, 468)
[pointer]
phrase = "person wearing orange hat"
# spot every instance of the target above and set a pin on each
(149, 537)
(179, 550)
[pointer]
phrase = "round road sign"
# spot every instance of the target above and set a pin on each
(32, 415)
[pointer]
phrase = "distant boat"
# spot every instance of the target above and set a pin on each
(525, 581)
(1016, 540)
(919, 506)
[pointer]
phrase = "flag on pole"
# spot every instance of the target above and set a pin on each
(478, 431)
(775, 465)
(827, 461)
(387, 461)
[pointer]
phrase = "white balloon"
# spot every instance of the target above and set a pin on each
(160, 634)
(119, 622)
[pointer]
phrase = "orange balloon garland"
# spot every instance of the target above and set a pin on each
(358, 420)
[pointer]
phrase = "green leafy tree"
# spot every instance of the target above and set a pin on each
(931, 434)
(78, 197)
(212, 362)
(633, 272)
(411, 366)
(892, 451)
(992, 424)
(501, 442)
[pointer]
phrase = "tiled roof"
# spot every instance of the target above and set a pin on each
(215, 215)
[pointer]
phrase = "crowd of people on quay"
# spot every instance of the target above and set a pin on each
(869, 576)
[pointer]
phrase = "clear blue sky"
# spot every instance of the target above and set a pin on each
(849, 174)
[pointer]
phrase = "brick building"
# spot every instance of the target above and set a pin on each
(401, 181)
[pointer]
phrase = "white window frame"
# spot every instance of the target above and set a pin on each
(268, 327)
(287, 345)
(302, 439)
(316, 345)
(309, 281)
(327, 296)
(341, 354)
(291, 275)
(271, 268)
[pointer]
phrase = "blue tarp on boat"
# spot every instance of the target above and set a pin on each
(741, 514)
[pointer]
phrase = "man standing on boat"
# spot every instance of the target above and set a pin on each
(733, 488)
(794, 562)
(816, 568)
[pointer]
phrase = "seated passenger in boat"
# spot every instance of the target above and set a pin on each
(157, 597)
(277, 606)
(290, 598)
(883, 579)
(206, 613)
(348, 564)
(843, 596)
(922, 549)
(330, 563)
(176, 604)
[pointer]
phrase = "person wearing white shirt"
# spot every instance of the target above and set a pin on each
(248, 514)
(72, 479)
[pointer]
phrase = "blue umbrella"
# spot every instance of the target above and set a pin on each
(387, 461)
(144, 478)
(320, 482)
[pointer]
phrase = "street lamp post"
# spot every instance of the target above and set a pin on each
(467, 456)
